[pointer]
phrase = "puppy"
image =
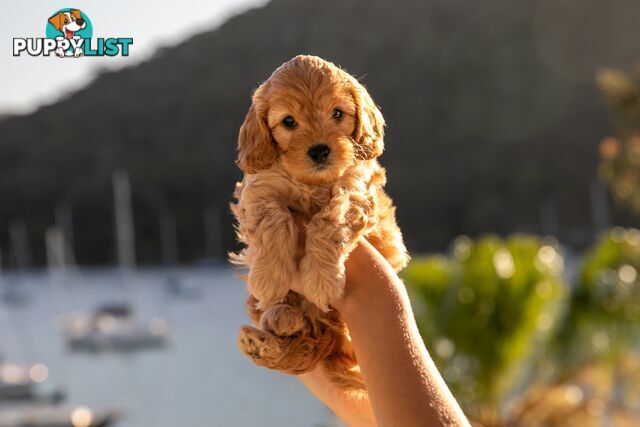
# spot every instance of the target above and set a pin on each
(309, 144)
(68, 23)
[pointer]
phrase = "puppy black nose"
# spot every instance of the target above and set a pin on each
(319, 153)
(80, 21)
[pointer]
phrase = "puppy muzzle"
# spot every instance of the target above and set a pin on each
(319, 153)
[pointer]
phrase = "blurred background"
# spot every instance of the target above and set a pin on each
(513, 155)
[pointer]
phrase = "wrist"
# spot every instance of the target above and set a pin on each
(371, 283)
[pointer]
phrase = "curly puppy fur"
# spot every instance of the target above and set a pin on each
(342, 198)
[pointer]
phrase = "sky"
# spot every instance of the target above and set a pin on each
(27, 82)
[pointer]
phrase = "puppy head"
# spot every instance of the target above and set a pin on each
(314, 117)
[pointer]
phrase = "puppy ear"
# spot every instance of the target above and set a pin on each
(369, 131)
(56, 21)
(256, 148)
(76, 13)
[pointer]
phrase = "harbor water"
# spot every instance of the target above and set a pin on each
(200, 378)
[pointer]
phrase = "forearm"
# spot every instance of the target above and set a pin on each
(404, 386)
(352, 408)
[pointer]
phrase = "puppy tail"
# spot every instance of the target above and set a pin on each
(343, 371)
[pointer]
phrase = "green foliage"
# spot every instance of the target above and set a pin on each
(496, 308)
(605, 307)
(620, 165)
(622, 93)
(481, 308)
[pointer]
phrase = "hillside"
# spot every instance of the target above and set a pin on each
(492, 118)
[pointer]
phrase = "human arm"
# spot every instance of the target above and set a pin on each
(353, 408)
(404, 387)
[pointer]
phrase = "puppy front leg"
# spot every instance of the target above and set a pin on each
(330, 236)
(327, 240)
(273, 255)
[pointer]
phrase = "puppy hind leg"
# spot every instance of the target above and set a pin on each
(292, 355)
(303, 352)
(283, 320)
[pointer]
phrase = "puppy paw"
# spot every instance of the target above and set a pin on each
(266, 349)
(283, 320)
(321, 286)
(78, 53)
(356, 219)
(252, 342)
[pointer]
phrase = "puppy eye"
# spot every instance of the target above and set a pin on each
(66, 20)
(337, 114)
(289, 122)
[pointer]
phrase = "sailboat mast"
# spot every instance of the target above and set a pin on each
(125, 234)
(1, 277)
(57, 265)
(124, 219)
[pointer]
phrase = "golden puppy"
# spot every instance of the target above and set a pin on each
(309, 144)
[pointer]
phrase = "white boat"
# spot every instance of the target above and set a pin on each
(106, 331)
(115, 327)
(20, 381)
(37, 415)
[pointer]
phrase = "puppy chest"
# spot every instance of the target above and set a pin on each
(309, 199)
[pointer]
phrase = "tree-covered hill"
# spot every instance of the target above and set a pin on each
(493, 120)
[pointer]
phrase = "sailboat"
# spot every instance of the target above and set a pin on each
(22, 404)
(19, 380)
(115, 326)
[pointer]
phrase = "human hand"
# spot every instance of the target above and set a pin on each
(364, 264)
(403, 384)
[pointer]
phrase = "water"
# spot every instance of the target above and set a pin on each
(199, 379)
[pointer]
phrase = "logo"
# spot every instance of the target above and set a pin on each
(69, 34)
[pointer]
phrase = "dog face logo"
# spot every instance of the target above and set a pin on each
(69, 34)
(68, 22)
(71, 28)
